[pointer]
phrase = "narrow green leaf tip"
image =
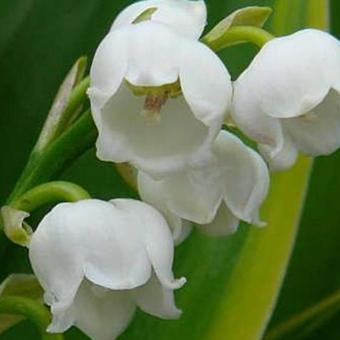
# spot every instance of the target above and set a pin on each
(59, 116)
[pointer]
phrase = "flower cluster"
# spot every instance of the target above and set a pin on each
(162, 100)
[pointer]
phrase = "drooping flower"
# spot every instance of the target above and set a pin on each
(230, 188)
(288, 100)
(98, 260)
(158, 98)
(186, 17)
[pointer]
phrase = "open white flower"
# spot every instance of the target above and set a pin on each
(187, 17)
(98, 260)
(288, 99)
(158, 98)
(231, 187)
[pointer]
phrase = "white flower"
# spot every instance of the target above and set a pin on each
(187, 17)
(158, 98)
(288, 99)
(231, 187)
(98, 260)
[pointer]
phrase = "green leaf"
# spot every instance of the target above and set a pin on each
(255, 282)
(249, 16)
(7, 321)
(308, 320)
(297, 14)
(23, 285)
(34, 310)
(57, 118)
(311, 277)
(18, 284)
(328, 216)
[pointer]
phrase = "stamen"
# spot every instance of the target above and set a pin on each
(152, 107)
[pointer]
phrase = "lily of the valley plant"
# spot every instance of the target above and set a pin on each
(165, 112)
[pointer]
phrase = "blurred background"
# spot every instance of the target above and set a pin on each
(39, 42)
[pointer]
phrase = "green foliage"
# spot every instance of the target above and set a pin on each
(250, 17)
(39, 42)
(25, 285)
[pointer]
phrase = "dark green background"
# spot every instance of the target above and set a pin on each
(39, 41)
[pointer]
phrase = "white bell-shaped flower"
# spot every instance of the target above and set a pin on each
(288, 99)
(231, 187)
(187, 17)
(98, 260)
(158, 98)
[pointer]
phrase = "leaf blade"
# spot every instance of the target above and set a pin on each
(263, 260)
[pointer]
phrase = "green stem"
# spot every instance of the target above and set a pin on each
(41, 168)
(32, 310)
(238, 35)
(50, 192)
(331, 303)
